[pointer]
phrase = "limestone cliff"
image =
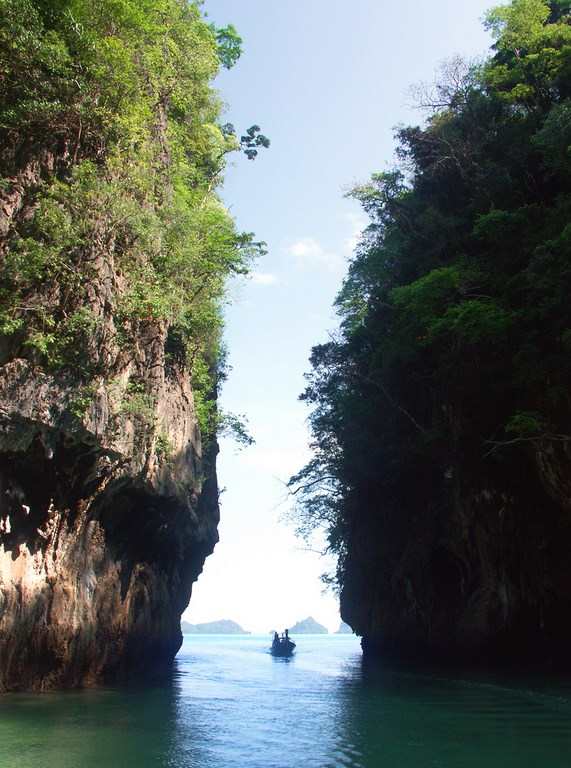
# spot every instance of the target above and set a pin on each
(479, 576)
(105, 521)
(114, 255)
(441, 409)
(108, 504)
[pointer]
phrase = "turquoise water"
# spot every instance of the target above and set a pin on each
(231, 705)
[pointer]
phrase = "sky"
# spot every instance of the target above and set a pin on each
(327, 81)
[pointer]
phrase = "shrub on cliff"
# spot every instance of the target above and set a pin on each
(111, 147)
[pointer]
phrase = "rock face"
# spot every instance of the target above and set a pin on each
(483, 576)
(115, 249)
(108, 505)
(101, 536)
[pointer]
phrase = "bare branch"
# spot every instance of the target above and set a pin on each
(450, 88)
(311, 484)
(498, 444)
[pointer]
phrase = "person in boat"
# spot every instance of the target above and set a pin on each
(276, 639)
(287, 635)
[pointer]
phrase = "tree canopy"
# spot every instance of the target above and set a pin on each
(109, 122)
(453, 349)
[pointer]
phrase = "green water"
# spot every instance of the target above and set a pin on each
(229, 704)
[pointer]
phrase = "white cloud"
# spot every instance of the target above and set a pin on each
(306, 248)
(264, 278)
(278, 462)
(309, 252)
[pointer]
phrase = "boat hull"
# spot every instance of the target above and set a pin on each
(283, 648)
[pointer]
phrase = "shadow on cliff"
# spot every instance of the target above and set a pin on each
(95, 569)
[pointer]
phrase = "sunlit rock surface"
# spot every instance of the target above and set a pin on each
(106, 517)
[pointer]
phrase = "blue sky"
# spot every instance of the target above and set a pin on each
(327, 81)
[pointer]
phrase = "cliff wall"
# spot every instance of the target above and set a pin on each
(114, 255)
(478, 572)
(108, 509)
(441, 410)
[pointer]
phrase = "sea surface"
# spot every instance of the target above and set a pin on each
(229, 704)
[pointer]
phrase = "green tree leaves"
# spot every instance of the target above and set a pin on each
(113, 151)
(518, 25)
(454, 317)
(229, 44)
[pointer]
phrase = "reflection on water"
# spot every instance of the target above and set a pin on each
(230, 704)
(394, 718)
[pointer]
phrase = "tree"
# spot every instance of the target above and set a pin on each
(113, 148)
(453, 348)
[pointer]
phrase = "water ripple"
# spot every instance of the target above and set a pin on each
(230, 705)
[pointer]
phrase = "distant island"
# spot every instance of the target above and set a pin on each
(308, 627)
(344, 629)
(222, 627)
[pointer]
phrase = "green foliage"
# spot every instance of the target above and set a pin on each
(236, 427)
(554, 137)
(472, 322)
(163, 447)
(204, 381)
(138, 403)
(455, 314)
(229, 44)
(533, 40)
(252, 140)
(427, 302)
(81, 401)
(518, 25)
(526, 424)
(113, 102)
